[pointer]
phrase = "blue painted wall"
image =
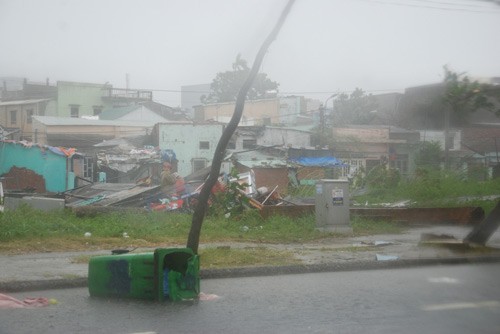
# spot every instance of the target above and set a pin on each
(51, 166)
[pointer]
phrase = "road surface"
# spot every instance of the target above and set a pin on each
(434, 299)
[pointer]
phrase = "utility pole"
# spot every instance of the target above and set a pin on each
(447, 135)
(322, 118)
(321, 124)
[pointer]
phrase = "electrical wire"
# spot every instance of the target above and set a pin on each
(433, 7)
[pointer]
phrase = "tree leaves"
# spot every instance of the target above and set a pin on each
(226, 85)
(356, 108)
(466, 96)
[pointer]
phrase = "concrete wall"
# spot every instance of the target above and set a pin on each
(21, 121)
(84, 95)
(285, 137)
(254, 113)
(82, 134)
(290, 108)
(50, 109)
(38, 203)
(184, 139)
(363, 134)
(438, 136)
(52, 167)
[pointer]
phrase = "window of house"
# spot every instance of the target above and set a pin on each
(204, 145)
(231, 145)
(13, 117)
(249, 144)
(97, 110)
(74, 111)
(88, 168)
(355, 165)
(451, 142)
(199, 164)
(400, 163)
(29, 116)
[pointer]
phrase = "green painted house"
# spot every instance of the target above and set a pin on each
(77, 99)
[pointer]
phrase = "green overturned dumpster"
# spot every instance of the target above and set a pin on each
(165, 274)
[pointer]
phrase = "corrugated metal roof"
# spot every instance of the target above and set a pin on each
(307, 128)
(19, 102)
(263, 163)
(115, 113)
(253, 159)
(51, 120)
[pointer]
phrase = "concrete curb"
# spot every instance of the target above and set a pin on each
(49, 284)
(338, 267)
(80, 282)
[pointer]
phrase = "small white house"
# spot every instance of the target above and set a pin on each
(439, 136)
(192, 143)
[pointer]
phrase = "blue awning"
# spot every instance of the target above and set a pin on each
(318, 162)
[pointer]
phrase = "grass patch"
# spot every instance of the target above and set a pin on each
(437, 189)
(362, 226)
(226, 258)
(27, 230)
(81, 259)
(28, 225)
(350, 249)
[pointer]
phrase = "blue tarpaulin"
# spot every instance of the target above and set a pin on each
(318, 162)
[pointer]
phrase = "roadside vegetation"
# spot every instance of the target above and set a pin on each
(27, 230)
(430, 188)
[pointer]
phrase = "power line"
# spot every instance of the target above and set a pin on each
(284, 92)
(476, 5)
(432, 7)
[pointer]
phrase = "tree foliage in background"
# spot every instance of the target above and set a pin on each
(355, 108)
(226, 85)
(382, 176)
(465, 96)
(429, 155)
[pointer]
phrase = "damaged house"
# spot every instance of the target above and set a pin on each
(29, 167)
(269, 170)
(126, 160)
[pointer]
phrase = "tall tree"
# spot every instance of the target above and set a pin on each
(199, 213)
(355, 108)
(226, 85)
(462, 97)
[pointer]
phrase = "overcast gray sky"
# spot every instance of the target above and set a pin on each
(326, 46)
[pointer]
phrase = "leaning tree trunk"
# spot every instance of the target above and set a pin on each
(199, 213)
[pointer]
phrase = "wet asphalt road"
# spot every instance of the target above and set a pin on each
(436, 299)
